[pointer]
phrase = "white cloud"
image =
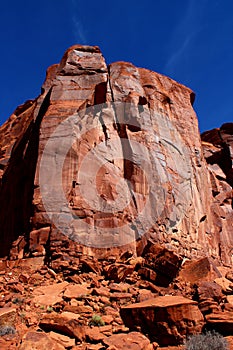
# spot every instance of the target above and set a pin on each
(186, 30)
(78, 30)
(178, 53)
(77, 25)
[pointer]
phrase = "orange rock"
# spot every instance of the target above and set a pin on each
(144, 294)
(196, 213)
(209, 290)
(121, 297)
(37, 241)
(79, 309)
(39, 341)
(76, 291)
(7, 316)
(133, 340)
(230, 342)
(167, 320)
(199, 270)
(107, 319)
(148, 274)
(161, 264)
(32, 263)
(49, 295)
(222, 322)
(65, 324)
(67, 342)
(229, 275)
(229, 299)
(225, 284)
(118, 272)
(94, 335)
(102, 291)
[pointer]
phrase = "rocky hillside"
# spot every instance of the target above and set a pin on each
(116, 215)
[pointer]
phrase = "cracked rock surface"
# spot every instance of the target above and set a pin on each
(116, 215)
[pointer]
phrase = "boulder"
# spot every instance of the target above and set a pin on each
(209, 290)
(132, 340)
(66, 324)
(229, 275)
(222, 322)
(225, 284)
(160, 265)
(199, 270)
(49, 295)
(118, 272)
(7, 316)
(76, 291)
(39, 341)
(67, 342)
(167, 320)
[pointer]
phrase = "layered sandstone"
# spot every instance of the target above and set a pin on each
(152, 171)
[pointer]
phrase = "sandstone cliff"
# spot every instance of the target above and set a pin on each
(116, 216)
(162, 183)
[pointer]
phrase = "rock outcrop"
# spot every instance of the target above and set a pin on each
(218, 151)
(116, 216)
(151, 170)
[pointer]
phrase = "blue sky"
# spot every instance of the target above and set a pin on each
(189, 40)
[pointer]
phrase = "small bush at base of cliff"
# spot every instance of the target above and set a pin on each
(96, 321)
(207, 341)
(7, 330)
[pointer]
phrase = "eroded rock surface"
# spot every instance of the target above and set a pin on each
(154, 208)
(166, 191)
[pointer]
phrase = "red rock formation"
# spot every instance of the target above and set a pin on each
(218, 151)
(166, 319)
(171, 196)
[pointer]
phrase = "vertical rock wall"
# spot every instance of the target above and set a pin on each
(151, 180)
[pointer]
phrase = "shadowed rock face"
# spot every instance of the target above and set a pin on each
(218, 151)
(151, 170)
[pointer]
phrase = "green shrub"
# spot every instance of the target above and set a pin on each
(96, 321)
(206, 341)
(49, 309)
(18, 301)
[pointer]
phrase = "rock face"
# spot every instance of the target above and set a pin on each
(218, 151)
(166, 319)
(150, 180)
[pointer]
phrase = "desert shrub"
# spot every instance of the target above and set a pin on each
(206, 341)
(18, 301)
(49, 309)
(96, 321)
(7, 330)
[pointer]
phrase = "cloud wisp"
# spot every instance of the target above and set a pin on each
(78, 30)
(178, 53)
(77, 25)
(181, 43)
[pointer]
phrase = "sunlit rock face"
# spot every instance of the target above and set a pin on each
(108, 157)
